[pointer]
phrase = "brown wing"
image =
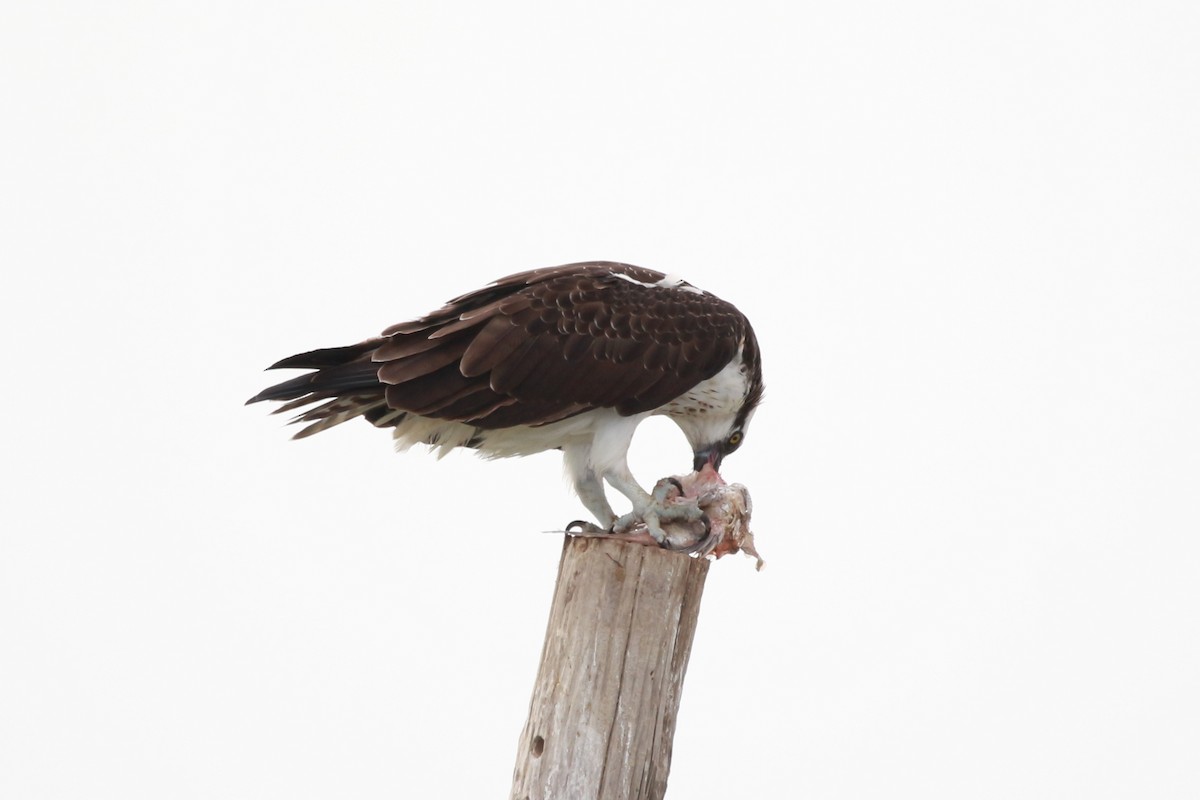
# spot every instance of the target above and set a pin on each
(543, 345)
(533, 348)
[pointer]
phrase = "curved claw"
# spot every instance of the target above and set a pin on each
(678, 483)
(585, 527)
(702, 545)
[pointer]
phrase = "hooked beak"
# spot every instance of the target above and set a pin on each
(709, 455)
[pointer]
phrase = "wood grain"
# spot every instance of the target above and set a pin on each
(602, 718)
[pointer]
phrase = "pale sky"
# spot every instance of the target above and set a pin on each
(965, 233)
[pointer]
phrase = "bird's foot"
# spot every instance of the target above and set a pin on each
(669, 505)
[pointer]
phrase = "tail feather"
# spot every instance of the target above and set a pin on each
(327, 356)
(356, 376)
(344, 384)
(339, 410)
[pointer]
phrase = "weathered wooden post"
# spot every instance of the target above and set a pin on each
(602, 718)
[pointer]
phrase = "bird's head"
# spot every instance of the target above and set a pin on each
(713, 453)
(716, 424)
(714, 436)
(718, 412)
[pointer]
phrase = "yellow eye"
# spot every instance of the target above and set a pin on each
(734, 439)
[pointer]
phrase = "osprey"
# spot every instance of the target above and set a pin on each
(571, 358)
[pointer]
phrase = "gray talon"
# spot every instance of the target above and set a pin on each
(585, 527)
(672, 481)
(701, 545)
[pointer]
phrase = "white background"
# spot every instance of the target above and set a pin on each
(965, 232)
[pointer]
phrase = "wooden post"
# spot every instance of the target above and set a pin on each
(602, 718)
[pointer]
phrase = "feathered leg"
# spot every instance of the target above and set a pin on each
(587, 484)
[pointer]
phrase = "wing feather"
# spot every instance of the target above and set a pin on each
(404, 370)
(498, 341)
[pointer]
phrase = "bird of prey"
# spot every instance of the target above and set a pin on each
(572, 357)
